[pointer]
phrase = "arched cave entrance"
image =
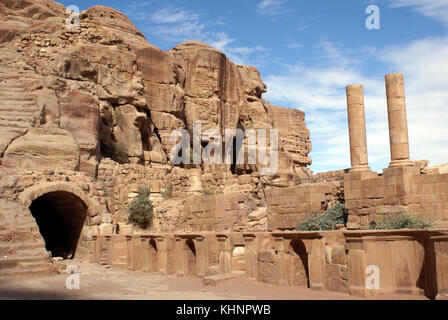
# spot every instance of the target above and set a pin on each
(190, 252)
(298, 267)
(153, 256)
(60, 216)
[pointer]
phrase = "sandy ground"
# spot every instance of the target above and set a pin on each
(98, 282)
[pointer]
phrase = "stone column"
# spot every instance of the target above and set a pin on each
(145, 253)
(181, 265)
(439, 285)
(282, 257)
(357, 128)
(130, 252)
(250, 256)
(96, 248)
(109, 250)
(202, 258)
(317, 265)
(398, 127)
(162, 256)
(224, 254)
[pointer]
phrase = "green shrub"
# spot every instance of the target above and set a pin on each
(168, 192)
(403, 221)
(141, 210)
(326, 221)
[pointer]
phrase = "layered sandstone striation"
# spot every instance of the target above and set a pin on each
(120, 97)
(98, 100)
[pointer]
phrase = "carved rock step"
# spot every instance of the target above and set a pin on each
(22, 263)
(17, 108)
(8, 96)
(37, 271)
(15, 124)
(21, 249)
(16, 116)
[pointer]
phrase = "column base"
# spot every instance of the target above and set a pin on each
(360, 168)
(400, 163)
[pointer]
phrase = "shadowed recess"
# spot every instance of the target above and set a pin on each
(60, 216)
(300, 264)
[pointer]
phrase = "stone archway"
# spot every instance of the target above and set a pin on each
(298, 272)
(190, 257)
(153, 256)
(60, 209)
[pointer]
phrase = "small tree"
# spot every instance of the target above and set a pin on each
(141, 209)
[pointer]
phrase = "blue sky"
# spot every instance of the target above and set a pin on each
(308, 51)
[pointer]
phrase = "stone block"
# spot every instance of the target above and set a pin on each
(244, 179)
(353, 226)
(106, 229)
(339, 255)
(266, 256)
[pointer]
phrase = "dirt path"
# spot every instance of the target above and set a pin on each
(97, 282)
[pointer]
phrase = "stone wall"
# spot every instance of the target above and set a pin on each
(370, 196)
(199, 202)
(222, 213)
(14, 184)
(405, 261)
(288, 206)
(409, 261)
(232, 203)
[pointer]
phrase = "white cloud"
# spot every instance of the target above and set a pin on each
(178, 25)
(319, 90)
(175, 25)
(425, 67)
(270, 7)
(183, 31)
(221, 41)
(171, 15)
(135, 10)
(434, 9)
(238, 55)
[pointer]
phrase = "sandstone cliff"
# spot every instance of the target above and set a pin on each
(71, 97)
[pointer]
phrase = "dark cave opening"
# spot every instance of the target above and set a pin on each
(60, 216)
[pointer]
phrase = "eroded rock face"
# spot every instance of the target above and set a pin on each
(48, 148)
(294, 140)
(212, 86)
(104, 85)
(130, 128)
(17, 16)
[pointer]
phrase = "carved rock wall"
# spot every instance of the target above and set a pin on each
(121, 97)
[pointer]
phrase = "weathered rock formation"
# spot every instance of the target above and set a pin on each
(101, 90)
